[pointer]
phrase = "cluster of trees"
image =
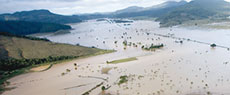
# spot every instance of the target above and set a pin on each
(10, 67)
(213, 45)
(153, 47)
(182, 15)
(11, 64)
(21, 36)
(26, 28)
(122, 21)
(196, 10)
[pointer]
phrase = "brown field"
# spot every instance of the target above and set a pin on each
(25, 48)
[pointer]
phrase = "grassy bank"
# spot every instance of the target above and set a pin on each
(121, 60)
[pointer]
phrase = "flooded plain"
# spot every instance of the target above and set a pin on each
(185, 65)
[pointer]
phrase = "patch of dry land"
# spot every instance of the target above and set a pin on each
(185, 65)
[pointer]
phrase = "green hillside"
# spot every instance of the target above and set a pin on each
(40, 16)
(26, 28)
(18, 53)
(20, 48)
(196, 10)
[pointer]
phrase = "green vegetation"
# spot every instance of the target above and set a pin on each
(177, 13)
(182, 15)
(26, 28)
(213, 45)
(123, 79)
(150, 12)
(196, 10)
(40, 16)
(156, 46)
(10, 64)
(21, 48)
(122, 60)
(125, 43)
(115, 42)
(26, 37)
(3, 78)
(103, 88)
(208, 23)
(153, 47)
(122, 21)
(11, 67)
(101, 19)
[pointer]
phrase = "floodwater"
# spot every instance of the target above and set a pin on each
(188, 68)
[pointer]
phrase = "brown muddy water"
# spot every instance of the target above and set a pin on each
(188, 68)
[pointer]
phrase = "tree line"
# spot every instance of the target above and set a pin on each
(10, 64)
(26, 28)
(22, 36)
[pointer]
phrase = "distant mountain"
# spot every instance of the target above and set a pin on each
(168, 14)
(153, 11)
(26, 28)
(93, 16)
(168, 4)
(129, 10)
(40, 16)
(173, 13)
(196, 10)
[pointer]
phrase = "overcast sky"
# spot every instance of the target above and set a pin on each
(68, 7)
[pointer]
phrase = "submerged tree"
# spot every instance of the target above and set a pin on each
(213, 45)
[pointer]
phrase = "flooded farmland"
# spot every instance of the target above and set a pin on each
(185, 65)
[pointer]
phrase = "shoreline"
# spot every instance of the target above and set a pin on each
(195, 67)
(28, 69)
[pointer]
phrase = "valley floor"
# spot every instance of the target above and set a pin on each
(190, 67)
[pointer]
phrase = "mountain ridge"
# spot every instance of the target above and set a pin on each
(41, 15)
(26, 28)
(169, 13)
(196, 10)
(155, 10)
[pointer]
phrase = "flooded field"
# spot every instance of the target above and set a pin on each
(184, 65)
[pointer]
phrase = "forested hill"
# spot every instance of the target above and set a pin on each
(40, 16)
(196, 10)
(173, 13)
(154, 11)
(26, 28)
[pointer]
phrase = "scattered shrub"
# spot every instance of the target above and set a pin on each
(123, 79)
(213, 45)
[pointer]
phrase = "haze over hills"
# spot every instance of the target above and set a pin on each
(40, 16)
(174, 13)
(153, 11)
(130, 10)
(168, 14)
(196, 10)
